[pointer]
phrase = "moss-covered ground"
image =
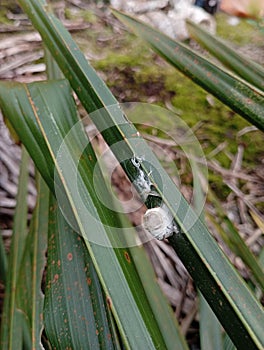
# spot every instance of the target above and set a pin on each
(135, 73)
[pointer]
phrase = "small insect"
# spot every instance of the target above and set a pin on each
(136, 161)
(159, 222)
(141, 181)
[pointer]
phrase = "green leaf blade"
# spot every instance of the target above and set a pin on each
(233, 284)
(211, 337)
(245, 68)
(73, 312)
(239, 96)
(30, 298)
(119, 279)
(11, 336)
(3, 260)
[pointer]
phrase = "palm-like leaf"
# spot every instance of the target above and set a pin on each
(30, 298)
(47, 116)
(234, 92)
(12, 326)
(245, 68)
(75, 311)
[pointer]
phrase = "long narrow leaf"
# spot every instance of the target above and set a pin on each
(29, 298)
(12, 320)
(74, 311)
(210, 328)
(234, 92)
(51, 105)
(115, 267)
(87, 321)
(3, 260)
(245, 68)
(235, 242)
